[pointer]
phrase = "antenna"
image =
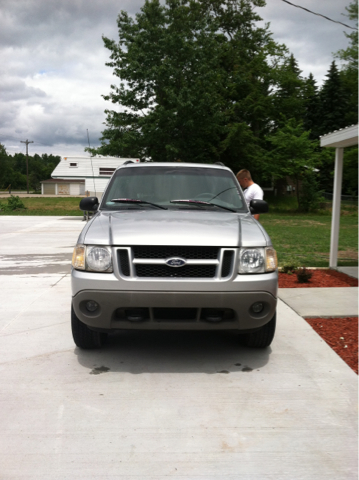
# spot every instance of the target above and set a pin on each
(88, 137)
(93, 175)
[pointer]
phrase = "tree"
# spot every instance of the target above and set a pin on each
(195, 82)
(13, 169)
(5, 168)
(333, 102)
(293, 154)
(350, 54)
(350, 171)
(349, 71)
(289, 98)
(311, 118)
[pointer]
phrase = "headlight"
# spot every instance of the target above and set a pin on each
(98, 259)
(92, 258)
(257, 260)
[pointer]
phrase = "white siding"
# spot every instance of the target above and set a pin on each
(97, 185)
(87, 167)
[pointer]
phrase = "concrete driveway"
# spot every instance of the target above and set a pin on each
(157, 405)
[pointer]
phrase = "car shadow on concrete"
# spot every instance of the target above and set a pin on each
(139, 352)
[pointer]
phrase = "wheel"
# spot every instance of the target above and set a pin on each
(83, 336)
(261, 338)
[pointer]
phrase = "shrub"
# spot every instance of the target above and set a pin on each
(303, 275)
(290, 267)
(13, 203)
(310, 196)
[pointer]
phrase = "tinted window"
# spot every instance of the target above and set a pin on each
(160, 185)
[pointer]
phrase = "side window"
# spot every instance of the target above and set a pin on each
(106, 171)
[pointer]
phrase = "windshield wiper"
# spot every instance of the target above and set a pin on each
(220, 193)
(136, 201)
(201, 203)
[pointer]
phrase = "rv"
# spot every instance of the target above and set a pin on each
(83, 175)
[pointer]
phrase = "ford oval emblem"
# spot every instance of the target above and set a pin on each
(175, 262)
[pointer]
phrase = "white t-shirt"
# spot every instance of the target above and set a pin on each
(253, 191)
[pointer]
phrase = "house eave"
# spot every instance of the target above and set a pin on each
(346, 137)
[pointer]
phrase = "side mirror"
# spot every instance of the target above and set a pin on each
(258, 206)
(89, 204)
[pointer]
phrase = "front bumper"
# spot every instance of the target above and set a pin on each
(180, 310)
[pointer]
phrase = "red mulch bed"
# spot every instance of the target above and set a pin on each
(341, 334)
(320, 278)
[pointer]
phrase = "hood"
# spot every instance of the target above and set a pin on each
(173, 227)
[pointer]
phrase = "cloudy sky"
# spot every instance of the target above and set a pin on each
(53, 63)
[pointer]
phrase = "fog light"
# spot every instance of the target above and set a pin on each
(91, 306)
(257, 307)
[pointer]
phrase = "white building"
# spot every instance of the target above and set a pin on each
(78, 175)
(339, 139)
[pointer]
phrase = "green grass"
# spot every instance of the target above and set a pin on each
(306, 238)
(61, 206)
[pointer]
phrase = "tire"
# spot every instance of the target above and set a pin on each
(83, 336)
(261, 338)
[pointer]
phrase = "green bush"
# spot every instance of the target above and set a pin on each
(290, 266)
(13, 203)
(310, 196)
(303, 275)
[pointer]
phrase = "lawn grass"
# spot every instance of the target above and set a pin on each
(66, 206)
(304, 238)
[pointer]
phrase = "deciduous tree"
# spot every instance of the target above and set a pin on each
(195, 82)
(293, 154)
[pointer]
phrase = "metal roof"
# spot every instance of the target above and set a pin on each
(345, 137)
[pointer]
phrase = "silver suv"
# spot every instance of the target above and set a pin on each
(173, 246)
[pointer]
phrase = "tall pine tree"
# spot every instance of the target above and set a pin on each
(311, 117)
(289, 98)
(333, 102)
(349, 70)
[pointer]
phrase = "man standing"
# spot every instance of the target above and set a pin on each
(250, 189)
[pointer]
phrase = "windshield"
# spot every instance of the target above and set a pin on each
(213, 189)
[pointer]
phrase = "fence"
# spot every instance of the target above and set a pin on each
(349, 199)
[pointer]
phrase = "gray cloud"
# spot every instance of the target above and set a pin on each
(12, 89)
(55, 61)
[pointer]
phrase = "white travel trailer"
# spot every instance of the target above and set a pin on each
(78, 175)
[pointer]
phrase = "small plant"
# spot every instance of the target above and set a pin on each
(290, 267)
(13, 203)
(303, 275)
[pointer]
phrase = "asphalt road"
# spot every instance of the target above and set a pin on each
(154, 405)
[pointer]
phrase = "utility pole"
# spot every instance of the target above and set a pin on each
(27, 162)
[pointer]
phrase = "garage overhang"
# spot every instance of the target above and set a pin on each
(345, 137)
(339, 139)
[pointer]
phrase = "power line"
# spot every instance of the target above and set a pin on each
(18, 139)
(27, 162)
(319, 15)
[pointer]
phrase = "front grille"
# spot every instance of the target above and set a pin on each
(189, 253)
(124, 262)
(188, 271)
(151, 262)
(227, 263)
(174, 314)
